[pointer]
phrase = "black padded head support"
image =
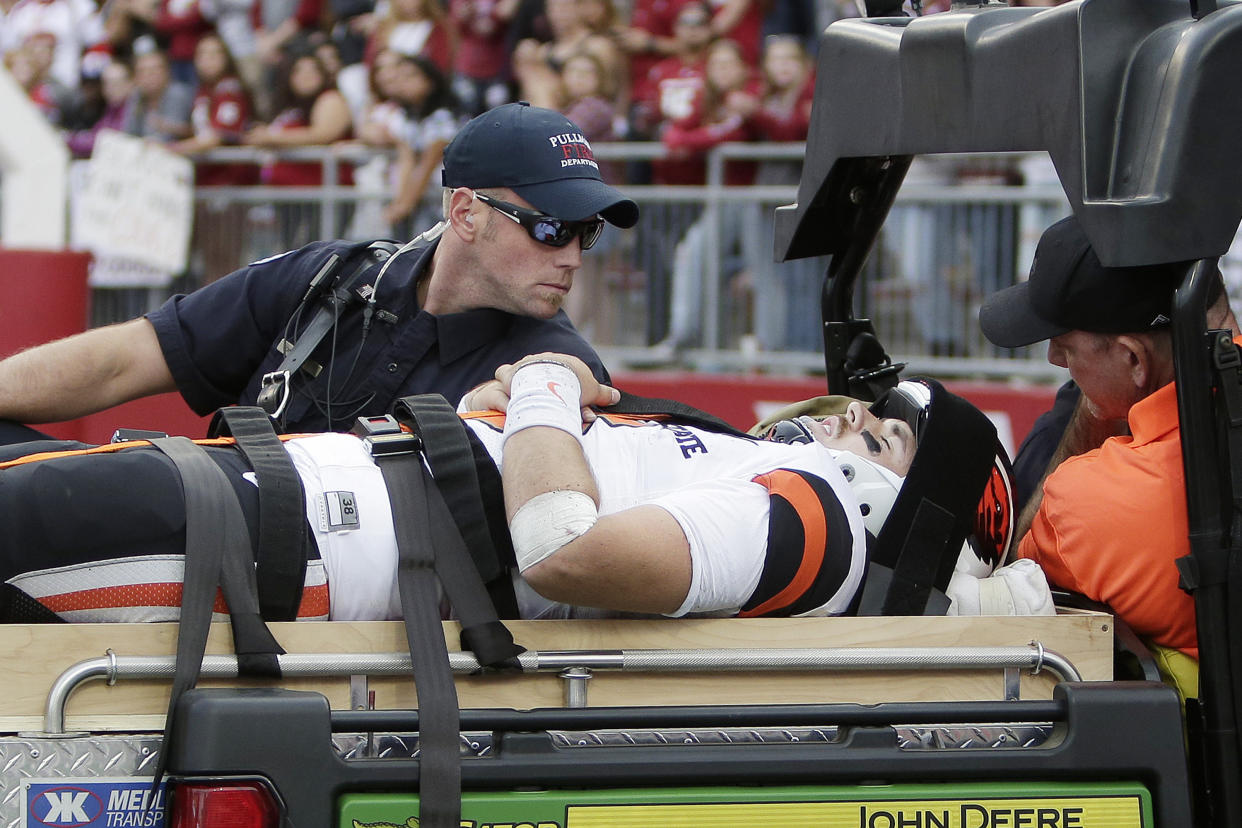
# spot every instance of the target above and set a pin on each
(937, 506)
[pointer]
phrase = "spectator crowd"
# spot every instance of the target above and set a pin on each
(404, 75)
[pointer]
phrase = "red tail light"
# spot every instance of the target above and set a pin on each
(235, 805)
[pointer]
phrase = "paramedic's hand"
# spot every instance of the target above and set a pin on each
(594, 392)
(487, 396)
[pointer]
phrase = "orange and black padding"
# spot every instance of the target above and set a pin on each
(98, 528)
(809, 546)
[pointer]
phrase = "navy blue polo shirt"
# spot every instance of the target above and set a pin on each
(220, 340)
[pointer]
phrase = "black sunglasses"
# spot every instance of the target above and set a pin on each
(547, 229)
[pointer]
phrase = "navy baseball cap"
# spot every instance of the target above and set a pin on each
(542, 156)
(1070, 290)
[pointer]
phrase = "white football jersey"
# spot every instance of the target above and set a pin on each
(772, 528)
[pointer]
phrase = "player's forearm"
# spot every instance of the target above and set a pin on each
(543, 397)
(634, 561)
(83, 374)
(540, 460)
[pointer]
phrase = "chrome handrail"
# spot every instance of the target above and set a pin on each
(1034, 657)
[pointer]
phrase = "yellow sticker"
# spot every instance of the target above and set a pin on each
(1025, 812)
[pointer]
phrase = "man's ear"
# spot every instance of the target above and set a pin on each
(1134, 358)
(460, 217)
(1146, 367)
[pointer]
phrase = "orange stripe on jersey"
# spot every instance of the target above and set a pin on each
(315, 603)
(130, 595)
(495, 419)
(794, 489)
(110, 448)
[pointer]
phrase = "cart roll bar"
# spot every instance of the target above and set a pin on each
(1034, 657)
(1214, 550)
(1134, 100)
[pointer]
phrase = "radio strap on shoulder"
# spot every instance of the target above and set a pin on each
(217, 553)
(275, 390)
(281, 556)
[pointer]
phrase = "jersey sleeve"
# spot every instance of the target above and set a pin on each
(814, 560)
(779, 544)
(725, 523)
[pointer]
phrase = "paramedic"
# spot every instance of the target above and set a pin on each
(523, 200)
(1111, 517)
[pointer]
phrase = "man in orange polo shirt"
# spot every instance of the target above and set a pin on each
(1112, 517)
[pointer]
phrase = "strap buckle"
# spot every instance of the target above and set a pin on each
(1228, 364)
(274, 386)
(384, 437)
(1224, 353)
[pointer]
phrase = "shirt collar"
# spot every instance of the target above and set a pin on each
(457, 334)
(460, 333)
(418, 265)
(1154, 416)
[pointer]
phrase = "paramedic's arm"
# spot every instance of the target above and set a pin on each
(83, 373)
(637, 560)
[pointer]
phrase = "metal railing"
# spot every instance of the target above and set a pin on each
(574, 666)
(698, 267)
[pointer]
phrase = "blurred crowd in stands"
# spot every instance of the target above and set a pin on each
(197, 74)
(404, 75)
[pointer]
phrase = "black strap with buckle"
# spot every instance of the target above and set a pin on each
(431, 550)
(281, 554)
(217, 553)
(469, 481)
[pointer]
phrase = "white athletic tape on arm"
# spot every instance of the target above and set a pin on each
(544, 394)
(547, 522)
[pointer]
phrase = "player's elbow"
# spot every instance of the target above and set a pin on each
(559, 577)
(547, 523)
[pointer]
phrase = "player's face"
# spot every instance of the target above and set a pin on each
(522, 276)
(889, 442)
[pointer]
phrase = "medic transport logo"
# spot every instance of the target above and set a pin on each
(91, 803)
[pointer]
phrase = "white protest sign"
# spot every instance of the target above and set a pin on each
(136, 205)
